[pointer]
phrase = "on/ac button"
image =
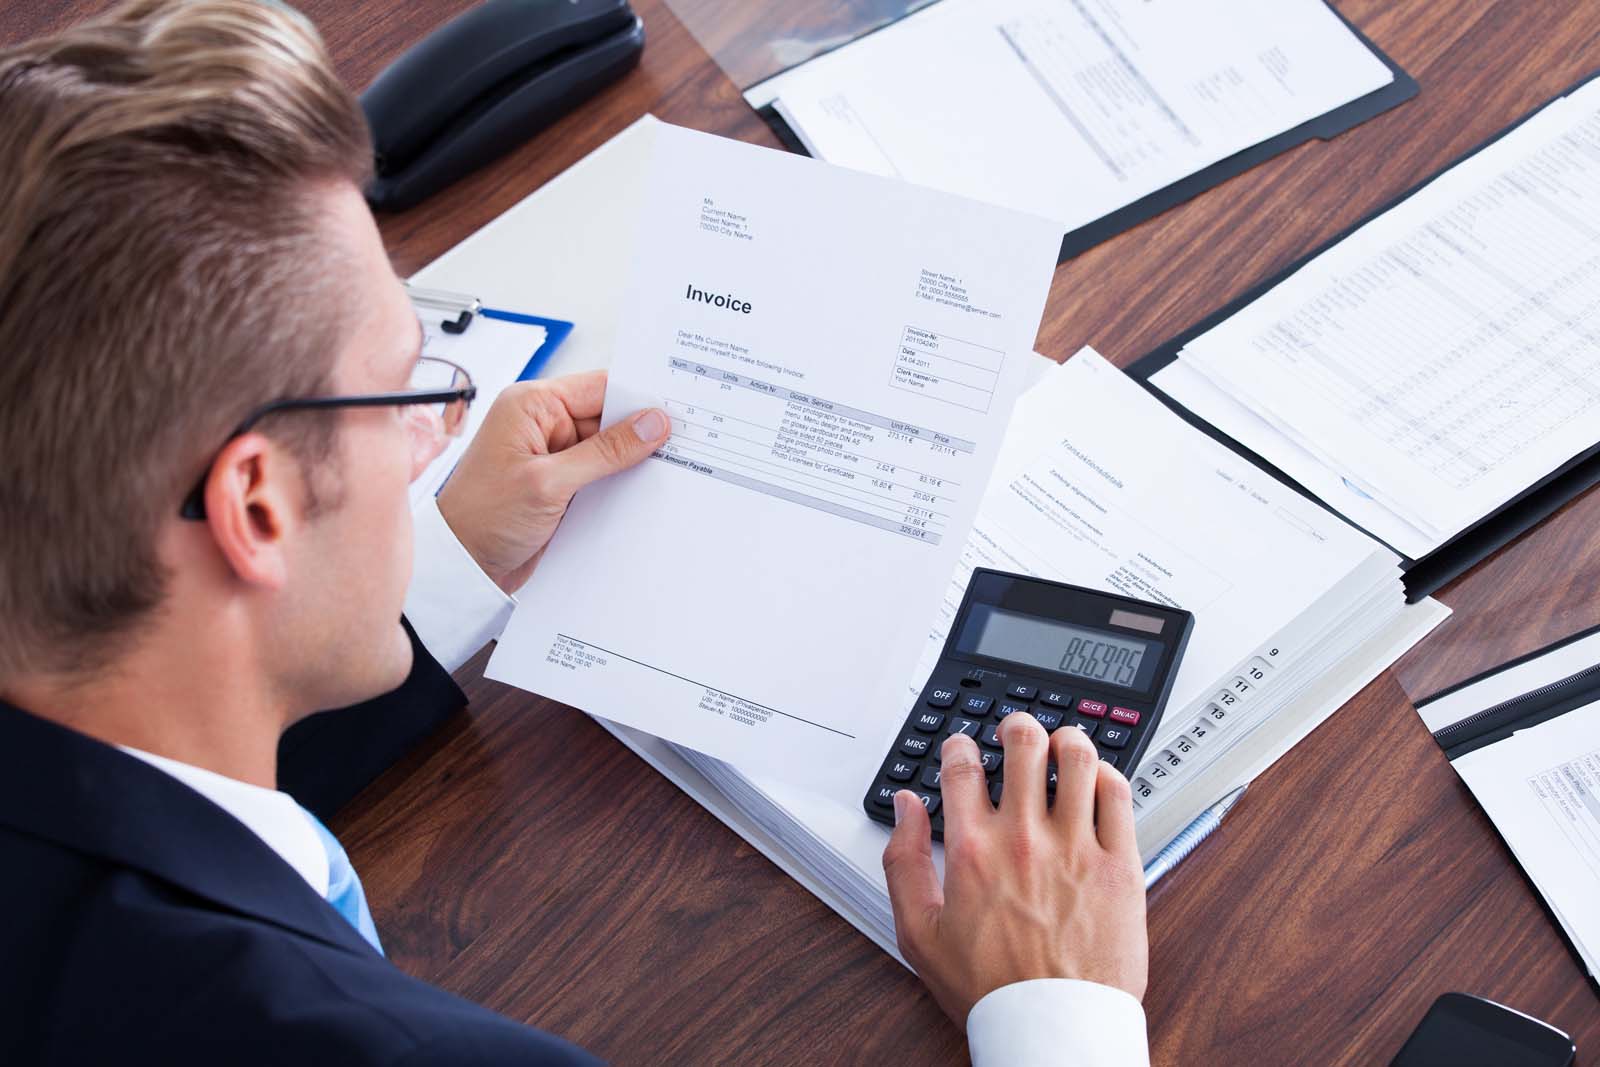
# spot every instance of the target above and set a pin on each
(1126, 716)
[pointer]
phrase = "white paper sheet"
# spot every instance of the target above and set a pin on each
(1441, 359)
(839, 354)
(1200, 395)
(1541, 786)
(1099, 485)
(563, 250)
(1071, 109)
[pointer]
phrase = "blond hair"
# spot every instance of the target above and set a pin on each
(161, 274)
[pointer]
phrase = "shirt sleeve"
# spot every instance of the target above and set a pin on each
(452, 605)
(1057, 1022)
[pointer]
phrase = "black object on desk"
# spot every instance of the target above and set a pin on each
(484, 83)
(1462, 1030)
(1071, 657)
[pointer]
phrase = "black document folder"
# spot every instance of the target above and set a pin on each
(1471, 546)
(1550, 682)
(1322, 128)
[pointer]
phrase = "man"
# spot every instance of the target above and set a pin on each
(211, 403)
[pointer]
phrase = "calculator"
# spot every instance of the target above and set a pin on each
(1073, 658)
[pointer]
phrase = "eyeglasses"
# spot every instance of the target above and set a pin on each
(436, 400)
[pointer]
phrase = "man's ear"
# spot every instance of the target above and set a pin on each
(254, 497)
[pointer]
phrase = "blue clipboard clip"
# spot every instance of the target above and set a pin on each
(465, 308)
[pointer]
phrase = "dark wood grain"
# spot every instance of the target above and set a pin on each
(527, 860)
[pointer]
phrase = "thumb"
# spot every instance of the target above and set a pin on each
(914, 890)
(613, 449)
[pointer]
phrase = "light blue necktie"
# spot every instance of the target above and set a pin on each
(344, 888)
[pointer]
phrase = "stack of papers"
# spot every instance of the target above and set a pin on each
(1100, 485)
(1439, 361)
(1172, 509)
(1071, 110)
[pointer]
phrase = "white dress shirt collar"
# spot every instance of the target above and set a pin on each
(271, 815)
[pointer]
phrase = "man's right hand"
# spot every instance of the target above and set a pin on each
(1029, 891)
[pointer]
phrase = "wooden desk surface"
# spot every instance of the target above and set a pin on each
(528, 861)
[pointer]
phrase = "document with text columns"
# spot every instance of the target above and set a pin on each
(839, 354)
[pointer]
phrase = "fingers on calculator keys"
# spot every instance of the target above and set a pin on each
(914, 890)
(1026, 746)
(1113, 813)
(1079, 765)
(1048, 719)
(964, 786)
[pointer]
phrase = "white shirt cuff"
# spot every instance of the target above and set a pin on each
(1057, 1022)
(452, 605)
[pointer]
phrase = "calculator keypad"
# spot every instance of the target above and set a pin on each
(975, 704)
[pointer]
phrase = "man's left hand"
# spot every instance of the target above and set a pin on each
(539, 444)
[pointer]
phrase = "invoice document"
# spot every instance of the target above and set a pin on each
(1071, 108)
(839, 354)
(1541, 787)
(1441, 359)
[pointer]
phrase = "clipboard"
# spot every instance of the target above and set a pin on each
(465, 308)
(488, 354)
(1426, 574)
(1324, 127)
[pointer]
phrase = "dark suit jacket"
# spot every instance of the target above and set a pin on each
(140, 923)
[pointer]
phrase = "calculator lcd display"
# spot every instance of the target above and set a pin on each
(1095, 655)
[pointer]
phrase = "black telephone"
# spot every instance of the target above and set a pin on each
(484, 83)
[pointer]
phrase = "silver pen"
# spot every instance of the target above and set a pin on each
(1190, 837)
